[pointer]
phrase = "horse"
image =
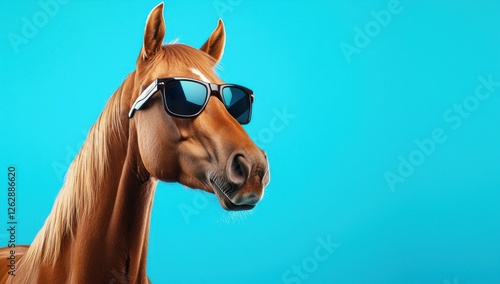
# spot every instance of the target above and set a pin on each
(98, 229)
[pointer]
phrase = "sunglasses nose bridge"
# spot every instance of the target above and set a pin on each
(213, 87)
(215, 90)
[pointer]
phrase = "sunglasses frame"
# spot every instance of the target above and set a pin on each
(212, 90)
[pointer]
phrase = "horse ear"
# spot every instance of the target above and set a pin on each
(214, 46)
(154, 32)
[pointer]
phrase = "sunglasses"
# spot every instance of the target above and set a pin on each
(185, 97)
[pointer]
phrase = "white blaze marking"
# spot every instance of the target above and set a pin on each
(199, 74)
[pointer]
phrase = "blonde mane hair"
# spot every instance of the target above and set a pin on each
(85, 177)
(178, 56)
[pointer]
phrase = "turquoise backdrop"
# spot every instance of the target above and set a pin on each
(380, 118)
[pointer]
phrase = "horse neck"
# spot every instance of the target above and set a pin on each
(113, 238)
(107, 232)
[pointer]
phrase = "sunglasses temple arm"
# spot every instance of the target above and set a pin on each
(143, 98)
(131, 113)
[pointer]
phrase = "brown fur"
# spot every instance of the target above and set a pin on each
(98, 229)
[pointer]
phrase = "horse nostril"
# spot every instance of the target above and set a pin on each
(260, 173)
(239, 170)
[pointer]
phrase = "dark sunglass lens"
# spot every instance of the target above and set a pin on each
(185, 98)
(237, 102)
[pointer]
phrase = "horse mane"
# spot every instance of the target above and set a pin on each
(85, 177)
(89, 172)
(177, 55)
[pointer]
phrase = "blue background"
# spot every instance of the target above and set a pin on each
(355, 118)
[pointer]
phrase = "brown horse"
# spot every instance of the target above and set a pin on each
(98, 229)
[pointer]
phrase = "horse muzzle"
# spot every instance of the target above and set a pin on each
(241, 185)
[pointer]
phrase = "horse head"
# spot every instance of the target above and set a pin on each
(187, 121)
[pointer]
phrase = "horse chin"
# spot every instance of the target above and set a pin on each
(224, 200)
